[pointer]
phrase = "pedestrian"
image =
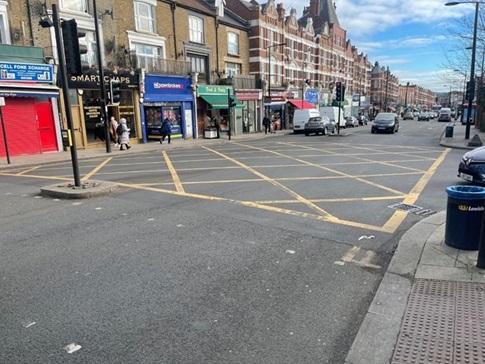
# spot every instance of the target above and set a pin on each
(125, 135)
(266, 123)
(113, 125)
(217, 124)
(166, 130)
(275, 125)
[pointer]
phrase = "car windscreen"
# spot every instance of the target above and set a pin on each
(384, 120)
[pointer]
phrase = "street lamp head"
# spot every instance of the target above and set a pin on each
(452, 3)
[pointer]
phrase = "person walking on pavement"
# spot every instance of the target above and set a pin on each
(166, 130)
(266, 123)
(125, 135)
(217, 124)
(113, 125)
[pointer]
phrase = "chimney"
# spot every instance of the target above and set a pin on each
(314, 7)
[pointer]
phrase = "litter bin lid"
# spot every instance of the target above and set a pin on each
(466, 192)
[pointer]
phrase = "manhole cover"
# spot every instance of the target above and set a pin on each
(417, 210)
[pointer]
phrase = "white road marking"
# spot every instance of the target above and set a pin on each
(290, 251)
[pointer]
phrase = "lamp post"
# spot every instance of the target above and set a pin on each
(406, 97)
(463, 96)
(268, 49)
(472, 67)
(449, 96)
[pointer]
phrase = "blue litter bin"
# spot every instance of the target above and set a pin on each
(464, 216)
(449, 131)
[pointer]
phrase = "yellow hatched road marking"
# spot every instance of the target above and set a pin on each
(176, 180)
(274, 183)
(350, 255)
(95, 170)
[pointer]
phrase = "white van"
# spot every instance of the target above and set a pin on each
(332, 113)
(301, 117)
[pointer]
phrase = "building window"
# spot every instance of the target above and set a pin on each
(75, 5)
(196, 29)
(233, 69)
(90, 42)
(199, 64)
(233, 43)
(144, 17)
(4, 35)
(148, 56)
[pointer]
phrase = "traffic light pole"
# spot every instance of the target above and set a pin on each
(102, 101)
(65, 93)
(229, 108)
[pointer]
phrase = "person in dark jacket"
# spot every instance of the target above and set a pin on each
(166, 130)
(267, 124)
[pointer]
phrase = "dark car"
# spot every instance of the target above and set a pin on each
(315, 125)
(386, 122)
(423, 116)
(472, 166)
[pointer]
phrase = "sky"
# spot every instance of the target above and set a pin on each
(414, 38)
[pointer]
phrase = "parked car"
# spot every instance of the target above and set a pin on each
(472, 166)
(423, 116)
(431, 115)
(445, 114)
(408, 115)
(351, 121)
(385, 122)
(315, 125)
(301, 117)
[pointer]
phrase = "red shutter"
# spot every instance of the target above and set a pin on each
(21, 127)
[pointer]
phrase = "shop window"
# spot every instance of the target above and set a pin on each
(196, 29)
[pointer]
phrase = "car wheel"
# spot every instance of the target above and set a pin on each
(307, 134)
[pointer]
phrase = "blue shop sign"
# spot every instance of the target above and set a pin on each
(311, 96)
(11, 72)
(168, 89)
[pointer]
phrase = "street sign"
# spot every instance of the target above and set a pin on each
(14, 72)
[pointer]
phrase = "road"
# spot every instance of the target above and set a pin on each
(267, 251)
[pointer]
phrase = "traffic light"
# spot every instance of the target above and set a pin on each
(470, 91)
(72, 49)
(114, 92)
(338, 91)
(232, 102)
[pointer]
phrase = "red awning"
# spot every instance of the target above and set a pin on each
(300, 104)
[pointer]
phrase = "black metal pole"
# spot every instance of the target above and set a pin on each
(463, 100)
(481, 245)
(65, 93)
(471, 93)
(229, 111)
(4, 136)
(104, 107)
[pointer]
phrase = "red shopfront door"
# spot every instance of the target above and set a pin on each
(47, 130)
(21, 127)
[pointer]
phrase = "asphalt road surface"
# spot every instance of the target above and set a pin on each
(267, 251)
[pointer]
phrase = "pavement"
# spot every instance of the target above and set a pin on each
(430, 305)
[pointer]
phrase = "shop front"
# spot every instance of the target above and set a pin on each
(251, 115)
(167, 97)
(28, 103)
(213, 104)
(85, 97)
(276, 108)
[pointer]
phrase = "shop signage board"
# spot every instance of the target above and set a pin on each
(25, 72)
(91, 80)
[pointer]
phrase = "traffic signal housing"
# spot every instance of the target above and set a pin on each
(338, 91)
(114, 92)
(470, 91)
(232, 102)
(72, 49)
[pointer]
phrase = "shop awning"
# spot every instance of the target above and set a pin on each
(220, 101)
(28, 90)
(301, 104)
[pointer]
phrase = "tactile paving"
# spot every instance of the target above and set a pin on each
(443, 324)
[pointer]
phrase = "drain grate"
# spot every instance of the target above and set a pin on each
(413, 209)
(444, 323)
